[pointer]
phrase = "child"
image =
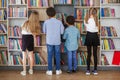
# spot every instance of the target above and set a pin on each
(92, 40)
(29, 28)
(71, 35)
(53, 29)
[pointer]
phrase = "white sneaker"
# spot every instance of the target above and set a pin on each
(58, 72)
(87, 72)
(49, 72)
(23, 73)
(30, 71)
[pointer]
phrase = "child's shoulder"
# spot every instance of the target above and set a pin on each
(55, 20)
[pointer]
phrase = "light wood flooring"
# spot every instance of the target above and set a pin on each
(40, 75)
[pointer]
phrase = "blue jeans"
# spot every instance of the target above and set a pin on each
(53, 49)
(72, 60)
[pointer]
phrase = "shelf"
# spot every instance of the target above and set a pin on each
(3, 46)
(110, 50)
(17, 4)
(3, 64)
(12, 50)
(3, 20)
(63, 5)
(39, 46)
(110, 18)
(37, 7)
(110, 37)
(77, 20)
(41, 65)
(3, 7)
(16, 37)
(3, 33)
(110, 4)
(87, 7)
(17, 17)
(81, 20)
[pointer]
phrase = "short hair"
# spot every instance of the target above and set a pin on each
(51, 12)
(70, 20)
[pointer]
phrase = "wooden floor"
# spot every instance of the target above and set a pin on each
(40, 75)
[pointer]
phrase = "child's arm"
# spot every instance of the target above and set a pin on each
(61, 28)
(44, 27)
(65, 35)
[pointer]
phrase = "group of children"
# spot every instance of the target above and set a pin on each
(53, 28)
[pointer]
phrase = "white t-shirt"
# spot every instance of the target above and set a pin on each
(91, 25)
(26, 32)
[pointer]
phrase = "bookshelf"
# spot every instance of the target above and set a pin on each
(10, 49)
(40, 50)
(3, 33)
(80, 9)
(110, 35)
(17, 15)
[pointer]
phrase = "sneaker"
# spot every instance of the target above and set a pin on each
(95, 72)
(74, 71)
(23, 73)
(69, 71)
(58, 72)
(30, 71)
(87, 72)
(49, 72)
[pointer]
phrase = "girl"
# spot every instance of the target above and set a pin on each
(92, 40)
(30, 27)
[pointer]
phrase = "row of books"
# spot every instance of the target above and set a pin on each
(80, 26)
(17, 12)
(75, 2)
(15, 59)
(3, 28)
(82, 58)
(61, 16)
(38, 3)
(14, 31)
(15, 44)
(3, 40)
(79, 14)
(108, 31)
(63, 1)
(63, 48)
(107, 12)
(107, 44)
(3, 15)
(3, 57)
(3, 3)
(104, 60)
(84, 2)
(39, 58)
(82, 40)
(37, 40)
(17, 1)
(110, 1)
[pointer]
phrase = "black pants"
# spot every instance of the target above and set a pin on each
(89, 57)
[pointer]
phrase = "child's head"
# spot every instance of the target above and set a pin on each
(51, 12)
(34, 16)
(32, 24)
(70, 20)
(92, 12)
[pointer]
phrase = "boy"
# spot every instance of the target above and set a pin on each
(53, 29)
(71, 35)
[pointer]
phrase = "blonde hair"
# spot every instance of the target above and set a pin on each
(92, 11)
(32, 24)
